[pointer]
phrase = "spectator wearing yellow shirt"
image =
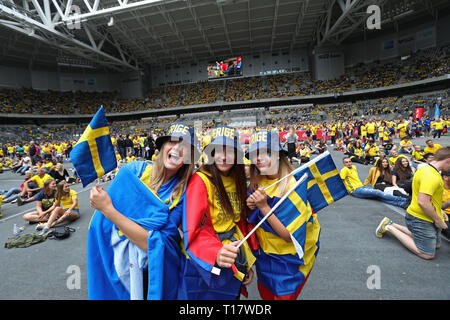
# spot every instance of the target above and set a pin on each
(446, 198)
(67, 208)
(130, 157)
(431, 147)
(403, 129)
(11, 150)
(394, 157)
(371, 128)
(303, 153)
(32, 186)
(155, 155)
(416, 156)
(406, 146)
(424, 217)
(363, 132)
(118, 157)
(438, 126)
(371, 151)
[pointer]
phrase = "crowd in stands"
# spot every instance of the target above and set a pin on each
(421, 65)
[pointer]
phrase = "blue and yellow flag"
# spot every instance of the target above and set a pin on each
(93, 155)
(115, 265)
(282, 267)
(437, 111)
(324, 183)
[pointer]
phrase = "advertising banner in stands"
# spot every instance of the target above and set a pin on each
(245, 137)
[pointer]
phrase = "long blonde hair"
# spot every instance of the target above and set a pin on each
(159, 172)
(284, 168)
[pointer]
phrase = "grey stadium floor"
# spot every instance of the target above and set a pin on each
(352, 264)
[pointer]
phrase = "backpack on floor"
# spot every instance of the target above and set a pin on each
(61, 232)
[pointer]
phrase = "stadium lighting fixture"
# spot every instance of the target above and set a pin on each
(111, 21)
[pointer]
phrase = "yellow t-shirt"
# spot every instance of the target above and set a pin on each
(406, 144)
(439, 125)
(40, 181)
(350, 178)
(393, 160)
(417, 155)
(371, 127)
(304, 152)
(221, 222)
(363, 131)
(435, 148)
(66, 202)
(445, 198)
(372, 150)
(402, 131)
(426, 180)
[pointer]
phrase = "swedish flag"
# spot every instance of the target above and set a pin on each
(93, 155)
(324, 183)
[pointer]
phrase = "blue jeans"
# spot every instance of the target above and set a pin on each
(22, 169)
(367, 192)
(11, 194)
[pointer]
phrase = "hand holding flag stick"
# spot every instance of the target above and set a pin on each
(323, 155)
(302, 179)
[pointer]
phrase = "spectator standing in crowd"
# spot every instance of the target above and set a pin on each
(424, 218)
(291, 140)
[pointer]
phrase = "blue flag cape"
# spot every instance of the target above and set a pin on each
(115, 265)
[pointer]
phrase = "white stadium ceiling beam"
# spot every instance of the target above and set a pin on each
(299, 24)
(274, 25)
(41, 23)
(199, 27)
(224, 24)
(352, 14)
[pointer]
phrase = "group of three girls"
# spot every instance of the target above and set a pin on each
(215, 208)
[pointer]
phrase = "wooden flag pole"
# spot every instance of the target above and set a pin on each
(302, 179)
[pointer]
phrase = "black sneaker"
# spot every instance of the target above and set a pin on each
(407, 202)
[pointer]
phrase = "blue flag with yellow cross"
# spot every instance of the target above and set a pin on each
(93, 156)
(324, 183)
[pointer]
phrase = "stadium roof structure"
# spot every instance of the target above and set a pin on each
(131, 34)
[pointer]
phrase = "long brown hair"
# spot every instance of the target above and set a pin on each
(47, 185)
(284, 168)
(159, 172)
(402, 172)
(60, 192)
(238, 173)
(385, 172)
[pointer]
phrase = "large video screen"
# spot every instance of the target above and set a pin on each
(227, 68)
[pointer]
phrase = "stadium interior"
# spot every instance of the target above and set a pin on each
(248, 64)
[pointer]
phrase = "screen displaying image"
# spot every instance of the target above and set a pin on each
(226, 68)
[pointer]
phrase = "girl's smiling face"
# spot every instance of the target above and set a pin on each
(265, 162)
(174, 154)
(224, 159)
